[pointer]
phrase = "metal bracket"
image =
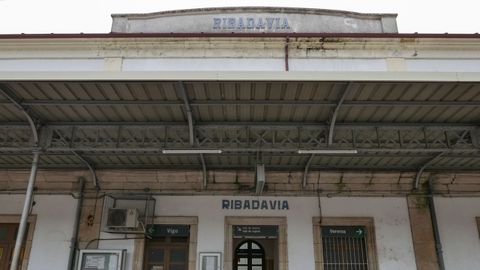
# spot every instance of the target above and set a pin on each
(8, 93)
(333, 119)
(423, 167)
(191, 128)
(90, 167)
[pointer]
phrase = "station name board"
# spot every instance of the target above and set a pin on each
(255, 204)
(250, 23)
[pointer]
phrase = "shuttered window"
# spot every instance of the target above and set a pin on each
(344, 243)
(344, 247)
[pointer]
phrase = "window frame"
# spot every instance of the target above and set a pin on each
(367, 222)
(32, 220)
(139, 244)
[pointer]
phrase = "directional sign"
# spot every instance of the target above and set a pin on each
(255, 231)
(344, 231)
(160, 230)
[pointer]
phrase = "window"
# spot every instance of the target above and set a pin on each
(167, 253)
(344, 243)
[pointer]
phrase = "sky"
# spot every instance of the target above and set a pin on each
(93, 16)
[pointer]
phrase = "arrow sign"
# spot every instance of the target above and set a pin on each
(344, 231)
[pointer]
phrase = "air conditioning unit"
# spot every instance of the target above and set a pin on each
(119, 218)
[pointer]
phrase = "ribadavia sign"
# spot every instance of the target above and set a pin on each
(255, 205)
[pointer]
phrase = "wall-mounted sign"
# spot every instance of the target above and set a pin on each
(160, 230)
(250, 23)
(255, 231)
(254, 20)
(255, 204)
(344, 231)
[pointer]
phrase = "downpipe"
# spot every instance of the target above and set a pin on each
(78, 213)
(25, 212)
(436, 233)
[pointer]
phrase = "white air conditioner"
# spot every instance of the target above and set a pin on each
(120, 218)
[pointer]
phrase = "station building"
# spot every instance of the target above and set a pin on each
(240, 139)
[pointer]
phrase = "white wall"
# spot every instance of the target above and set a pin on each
(458, 232)
(392, 226)
(251, 64)
(53, 229)
(51, 64)
(55, 216)
(443, 65)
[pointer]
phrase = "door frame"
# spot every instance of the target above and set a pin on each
(250, 257)
(281, 222)
(32, 220)
(139, 244)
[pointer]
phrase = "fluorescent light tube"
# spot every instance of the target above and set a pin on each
(327, 151)
(191, 151)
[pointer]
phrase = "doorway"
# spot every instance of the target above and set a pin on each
(8, 235)
(268, 233)
(249, 255)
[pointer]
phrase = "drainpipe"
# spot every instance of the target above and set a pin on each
(436, 234)
(287, 40)
(74, 240)
(25, 212)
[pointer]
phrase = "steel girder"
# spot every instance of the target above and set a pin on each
(243, 138)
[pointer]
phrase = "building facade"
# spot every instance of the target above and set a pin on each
(240, 138)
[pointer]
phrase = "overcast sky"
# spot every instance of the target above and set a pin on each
(93, 16)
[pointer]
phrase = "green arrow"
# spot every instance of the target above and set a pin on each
(359, 232)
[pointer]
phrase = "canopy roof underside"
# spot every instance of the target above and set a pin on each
(127, 124)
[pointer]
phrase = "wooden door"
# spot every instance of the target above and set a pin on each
(8, 234)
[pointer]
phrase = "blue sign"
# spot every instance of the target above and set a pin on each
(255, 205)
(250, 23)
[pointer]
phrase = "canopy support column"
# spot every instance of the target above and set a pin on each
(25, 212)
(9, 94)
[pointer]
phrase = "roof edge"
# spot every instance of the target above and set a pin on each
(238, 35)
(259, 9)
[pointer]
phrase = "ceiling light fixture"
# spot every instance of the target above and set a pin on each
(191, 151)
(327, 151)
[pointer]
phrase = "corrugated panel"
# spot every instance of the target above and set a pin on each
(231, 91)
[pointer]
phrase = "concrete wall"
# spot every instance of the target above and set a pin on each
(458, 232)
(53, 228)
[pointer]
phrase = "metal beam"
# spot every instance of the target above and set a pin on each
(367, 153)
(305, 171)
(192, 137)
(247, 167)
(265, 102)
(8, 93)
(188, 111)
(333, 119)
(90, 168)
(344, 125)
